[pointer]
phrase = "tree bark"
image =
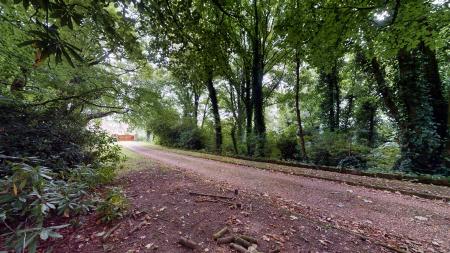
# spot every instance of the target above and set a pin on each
(257, 92)
(421, 143)
(331, 104)
(196, 106)
(439, 103)
(297, 108)
(248, 113)
(374, 69)
(384, 90)
(233, 139)
(348, 112)
(215, 110)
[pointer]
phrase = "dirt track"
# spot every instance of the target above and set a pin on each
(377, 214)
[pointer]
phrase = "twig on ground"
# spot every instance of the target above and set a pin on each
(220, 233)
(210, 195)
(188, 243)
(238, 248)
(111, 231)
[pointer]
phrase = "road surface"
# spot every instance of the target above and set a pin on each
(381, 214)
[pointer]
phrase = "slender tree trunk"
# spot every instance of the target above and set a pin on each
(297, 108)
(215, 110)
(233, 139)
(331, 113)
(240, 112)
(337, 98)
(348, 112)
(257, 92)
(331, 103)
(248, 113)
(205, 110)
(384, 90)
(196, 106)
(148, 134)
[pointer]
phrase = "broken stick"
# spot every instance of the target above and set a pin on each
(220, 233)
(242, 242)
(238, 248)
(249, 238)
(187, 243)
(210, 195)
(226, 239)
(137, 227)
(110, 232)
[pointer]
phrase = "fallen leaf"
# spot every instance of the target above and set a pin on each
(100, 234)
(421, 218)
(323, 242)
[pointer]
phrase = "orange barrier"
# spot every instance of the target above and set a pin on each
(124, 137)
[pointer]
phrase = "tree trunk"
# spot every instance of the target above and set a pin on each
(196, 106)
(248, 113)
(348, 112)
(331, 115)
(438, 101)
(148, 134)
(240, 112)
(205, 110)
(374, 69)
(421, 144)
(331, 104)
(337, 97)
(233, 139)
(297, 108)
(215, 110)
(257, 92)
(384, 90)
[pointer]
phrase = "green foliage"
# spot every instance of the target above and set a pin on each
(331, 148)
(49, 165)
(60, 141)
(30, 195)
(181, 135)
(287, 143)
(383, 157)
(114, 206)
(22, 239)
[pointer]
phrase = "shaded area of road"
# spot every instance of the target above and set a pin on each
(421, 221)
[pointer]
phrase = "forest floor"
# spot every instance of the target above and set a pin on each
(290, 212)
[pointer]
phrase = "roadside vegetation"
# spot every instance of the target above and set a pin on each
(50, 166)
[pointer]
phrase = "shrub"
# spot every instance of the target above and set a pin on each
(113, 207)
(180, 135)
(353, 162)
(59, 141)
(288, 147)
(30, 194)
(384, 157)
(49, 164)
(336, 149)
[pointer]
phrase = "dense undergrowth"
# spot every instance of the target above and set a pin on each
(52, 165)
